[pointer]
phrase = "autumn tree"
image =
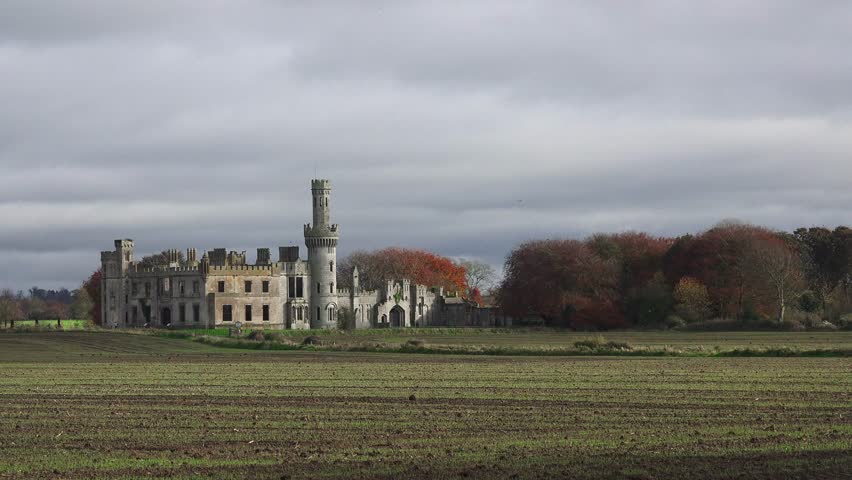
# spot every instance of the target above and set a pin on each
(717, 259)
(692, 302)
(419, 266)
(563, 281)
(775, 263)
(642, 294)
(93, 288)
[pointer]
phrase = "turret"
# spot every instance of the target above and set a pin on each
(321, 239)
(356, 285)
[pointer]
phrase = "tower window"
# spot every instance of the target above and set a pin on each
(221, 286)
(331, 266)
(248, 286)
(318, 287)
(331, 287)
(265, 286)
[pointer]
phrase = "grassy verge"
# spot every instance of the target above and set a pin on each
(595, 347)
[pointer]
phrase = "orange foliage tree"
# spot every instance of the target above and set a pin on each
(419, 266)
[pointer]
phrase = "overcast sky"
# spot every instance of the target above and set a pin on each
(459, 127)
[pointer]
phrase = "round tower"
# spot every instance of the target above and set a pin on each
(321, 239)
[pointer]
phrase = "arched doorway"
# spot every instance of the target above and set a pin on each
(166, 316)
(397, 317)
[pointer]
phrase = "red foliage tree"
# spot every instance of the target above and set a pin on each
(717, 258)
(93, 288)
(563, 281)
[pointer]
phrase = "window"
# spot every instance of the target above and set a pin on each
(331, 287)
(196, 313)
(135, 313)
(331, 266)
(318, 313)
(248, 286)
(181, 287)
(112, 301)
(182, 313)
(147, 289)
(265, 286)
(291, 287)
(226, 313)
(134, 288)
(299, 313)
(195, 286)
(248, 313)
(221, 286)
(318, 287)
(300, 290)
(266, 313)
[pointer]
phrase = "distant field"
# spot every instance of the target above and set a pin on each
(66, 324)
(111, 405)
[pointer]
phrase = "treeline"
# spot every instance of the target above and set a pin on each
(41, 304)
(743, 273)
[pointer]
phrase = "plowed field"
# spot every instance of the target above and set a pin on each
(101, 405)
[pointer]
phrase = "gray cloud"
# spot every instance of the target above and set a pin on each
(461, 128)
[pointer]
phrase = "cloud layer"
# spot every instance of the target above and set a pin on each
(461, 128)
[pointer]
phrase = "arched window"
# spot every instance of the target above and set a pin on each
(331, 266)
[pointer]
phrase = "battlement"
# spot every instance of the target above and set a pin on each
(165, 269)
(107, 256)
(322, 230)
(320, 184)
(241, 269)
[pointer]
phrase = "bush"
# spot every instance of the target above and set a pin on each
(809, 302)
(591, 343)
(256, 335)
(845, 322)
(415, 343)
(673, 321)
(312, 340)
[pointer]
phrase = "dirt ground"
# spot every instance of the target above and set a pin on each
(92, 405)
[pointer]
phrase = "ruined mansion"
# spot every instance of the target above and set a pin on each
(220, 289)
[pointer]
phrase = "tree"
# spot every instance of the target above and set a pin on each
(650, 304)
(692, 300)
(826, 258)
(92, 286)
(479, 276)
(717, 259)
(639, 260)
(10, 308)
(81, 307)
(160, 260)
(419, 266)
(562, 281)
(776, 263)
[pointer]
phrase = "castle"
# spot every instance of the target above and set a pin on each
(221, 289)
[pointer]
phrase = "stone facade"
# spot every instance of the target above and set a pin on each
(221, 289)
